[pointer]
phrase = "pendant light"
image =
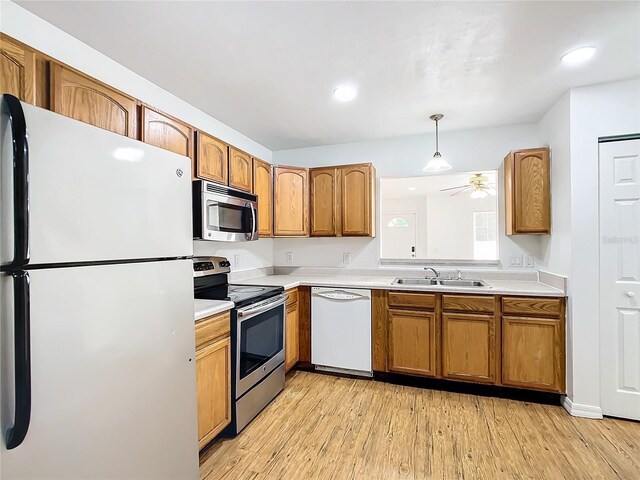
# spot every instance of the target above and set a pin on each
(437, 163)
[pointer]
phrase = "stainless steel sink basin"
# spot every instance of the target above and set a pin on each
(445, 282)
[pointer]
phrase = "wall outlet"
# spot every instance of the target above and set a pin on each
(528, 261)
(236, 260)
(515, 260)
(346, 258)
(289, 257)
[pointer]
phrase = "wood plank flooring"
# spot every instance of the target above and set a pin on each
(324, 427)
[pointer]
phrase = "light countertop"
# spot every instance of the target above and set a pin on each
(496, 287)
(206, 308)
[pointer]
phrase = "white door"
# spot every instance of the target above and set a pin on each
(620, 278)
(95, 195)
(113, 378)
(398, 238)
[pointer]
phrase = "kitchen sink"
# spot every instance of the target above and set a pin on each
(445, 282)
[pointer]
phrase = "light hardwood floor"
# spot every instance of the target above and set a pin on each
(339, 428)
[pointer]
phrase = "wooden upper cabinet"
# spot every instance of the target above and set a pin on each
(85, 99)
(527, 175)
(16, 70)
(325, 202)
(469, 347)
(412, 342)
(212, 158)
(263, 188)
(290, 202)
(358, 200)
(533, 353)
(166, 132)
(240, 170)
(24, 73)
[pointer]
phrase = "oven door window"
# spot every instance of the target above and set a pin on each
(225, 217)
(261, 338)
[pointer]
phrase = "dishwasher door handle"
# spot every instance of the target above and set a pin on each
(340, 295)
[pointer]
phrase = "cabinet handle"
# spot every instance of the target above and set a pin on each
(631, 294)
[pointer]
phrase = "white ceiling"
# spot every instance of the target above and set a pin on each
(267, 69)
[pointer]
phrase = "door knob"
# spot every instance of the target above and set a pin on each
(631, 294)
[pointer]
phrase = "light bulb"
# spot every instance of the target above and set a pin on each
(478, 193)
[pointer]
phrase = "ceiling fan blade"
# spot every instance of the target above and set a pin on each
(453, 188)
(460, 191)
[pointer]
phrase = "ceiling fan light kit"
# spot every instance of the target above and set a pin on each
(437, 163)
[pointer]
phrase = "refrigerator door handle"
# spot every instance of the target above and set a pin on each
(22, 360)
(20, 146)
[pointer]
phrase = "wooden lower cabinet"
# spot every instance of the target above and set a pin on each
(213, 376)
(469, 347)
(213, 365)
(412, 342)
(292, 336)
(533, 353)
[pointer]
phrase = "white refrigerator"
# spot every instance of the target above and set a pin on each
(98, 376)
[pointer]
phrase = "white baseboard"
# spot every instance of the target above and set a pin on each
(578, 410)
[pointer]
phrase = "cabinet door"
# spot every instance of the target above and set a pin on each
(85, 99)
(292, 329)
(528, 192)
(412, 342)
(290, 202)
(533, 353)
(469, 347)
(357, 200)
(23, 73)
(212, 158)
(263, 188)
(165, 132)
(240, 170)
(325, 202)
(213, 366)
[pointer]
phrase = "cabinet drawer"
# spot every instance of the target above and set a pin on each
(212, 328)
(412, 300)
(532, 306)
(469, 303)
(293, 296)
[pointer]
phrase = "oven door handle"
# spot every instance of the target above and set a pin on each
(246, 313)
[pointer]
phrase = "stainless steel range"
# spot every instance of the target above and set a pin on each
(257, 338)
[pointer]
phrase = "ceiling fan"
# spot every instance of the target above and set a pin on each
(478, 184)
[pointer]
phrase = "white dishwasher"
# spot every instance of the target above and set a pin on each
(341, 330)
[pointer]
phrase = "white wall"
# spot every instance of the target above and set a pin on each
(35, 32)
(554, 131)
(467, 150)
(451, 224)
(596, 111)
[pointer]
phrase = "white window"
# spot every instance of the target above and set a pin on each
(398, 222)
(485, 245)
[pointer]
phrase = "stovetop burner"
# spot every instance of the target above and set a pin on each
(211, 283)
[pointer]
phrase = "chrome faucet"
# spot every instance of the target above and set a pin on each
(435, 272)
(459, 275)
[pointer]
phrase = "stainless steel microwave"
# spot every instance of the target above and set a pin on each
(223, 214)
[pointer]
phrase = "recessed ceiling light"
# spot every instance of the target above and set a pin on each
(345, 92)
(411, 189)
(577, 56)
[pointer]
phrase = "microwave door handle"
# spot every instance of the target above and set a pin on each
(20, 149)
(250, 312)
(254, 223)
